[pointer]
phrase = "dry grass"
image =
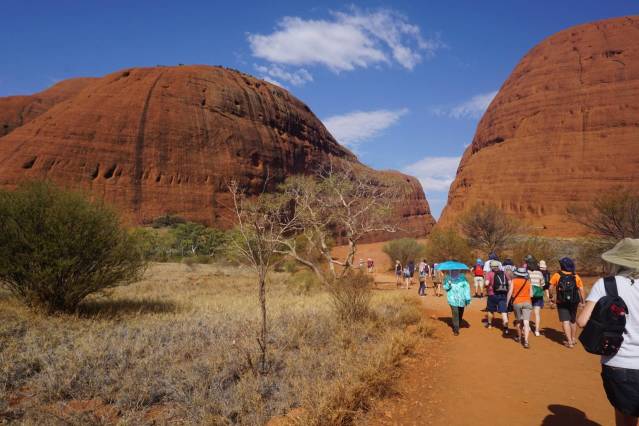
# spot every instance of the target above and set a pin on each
(180, 347)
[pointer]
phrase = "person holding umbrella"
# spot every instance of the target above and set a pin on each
(457, 290)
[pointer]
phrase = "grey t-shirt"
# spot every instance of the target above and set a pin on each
(628, 355)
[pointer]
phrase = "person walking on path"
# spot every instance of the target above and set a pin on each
(544, 271)
(620, 372)
(497, 285)
(458, 295)
(370, 264)
(478, 272)
(537, 281)
(423, 272)
(398, 273)
(509, 268)
(411, 273)
(569, 294)
(406, 273)
(520, 292)
(437, 280)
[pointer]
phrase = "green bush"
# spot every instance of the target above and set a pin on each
(193, 239)
(404, 249)
(167, 221)
(447, 244)
(56, 247)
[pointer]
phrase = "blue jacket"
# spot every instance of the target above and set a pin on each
(457, 290)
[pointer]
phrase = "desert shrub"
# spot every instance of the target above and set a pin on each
(541, 248)
(488, 228)
(588, 254)
(167, 221)
(404, 249)
(351, 296)
(154, 244)
(613, 215)
(193, 239)
(447, 244)
(57, 247)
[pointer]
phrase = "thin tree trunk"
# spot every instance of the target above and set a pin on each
(263, 331)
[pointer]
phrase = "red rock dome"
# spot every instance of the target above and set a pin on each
(168, 139)
(563, 128)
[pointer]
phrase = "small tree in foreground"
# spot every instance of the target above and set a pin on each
(404, 249)
(56, 247)
(487, 228)
(262, 224)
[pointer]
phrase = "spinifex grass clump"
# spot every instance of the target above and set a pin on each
(57, 247)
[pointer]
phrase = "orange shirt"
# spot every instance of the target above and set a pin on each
(554, 280)
(521, 289)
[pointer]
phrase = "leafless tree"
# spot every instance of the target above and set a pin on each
(263, 223)
(487, 228)
(341, 200)
(612, 216)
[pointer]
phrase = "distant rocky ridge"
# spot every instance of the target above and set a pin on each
(563, 128)
(166, 140)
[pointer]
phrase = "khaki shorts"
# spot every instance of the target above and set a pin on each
(522, 311)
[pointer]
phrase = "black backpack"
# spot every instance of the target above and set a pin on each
(603, 334)
(500, 283)
(567, 291)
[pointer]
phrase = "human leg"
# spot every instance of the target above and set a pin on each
(537, 320)
(455, 318)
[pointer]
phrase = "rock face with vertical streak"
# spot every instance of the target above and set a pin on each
(167, 140)
(563, 128)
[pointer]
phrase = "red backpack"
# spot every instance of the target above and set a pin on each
(478, 271)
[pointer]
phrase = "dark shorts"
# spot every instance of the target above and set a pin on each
(567, 312)
(538, 302)
(497, 303)
(622, 389)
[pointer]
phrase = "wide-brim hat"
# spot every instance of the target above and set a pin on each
(625, 253)
(521, 272)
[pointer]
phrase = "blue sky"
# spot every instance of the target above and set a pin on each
(402, 83)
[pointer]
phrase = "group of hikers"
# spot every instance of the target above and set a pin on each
(609, 314)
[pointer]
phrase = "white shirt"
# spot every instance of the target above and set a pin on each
(628, 355)
(536, 278)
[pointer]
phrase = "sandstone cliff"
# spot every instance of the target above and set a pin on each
(563, 128)
(16, 111)
(168, 139)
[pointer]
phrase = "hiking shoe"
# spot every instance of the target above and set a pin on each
(537, 334)
(526, 345)
(456, 333)
(506, 332)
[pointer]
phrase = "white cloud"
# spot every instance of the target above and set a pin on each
(471, 108)
(345, 42)
(435, 173)
(296, 78)
(356, 127)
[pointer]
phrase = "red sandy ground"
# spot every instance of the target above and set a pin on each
(482, 378)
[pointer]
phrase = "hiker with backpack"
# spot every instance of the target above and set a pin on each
(537, 282)
(411, 273)
(497, 289)
(478, 272)
(458, 295)
(438, 278)
(423, 271)
(569, 295)
(520, 298)
(407, 276)
(398, 273)
(611, 329)
(544, 271)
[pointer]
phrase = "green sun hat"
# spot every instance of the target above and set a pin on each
(625, 253)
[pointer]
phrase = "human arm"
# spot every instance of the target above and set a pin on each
(598, 291)
(510, 290)
(584, 315)
(580, 287)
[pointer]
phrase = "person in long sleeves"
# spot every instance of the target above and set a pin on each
(458, 295)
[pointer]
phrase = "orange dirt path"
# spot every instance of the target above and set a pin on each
(482, 378)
